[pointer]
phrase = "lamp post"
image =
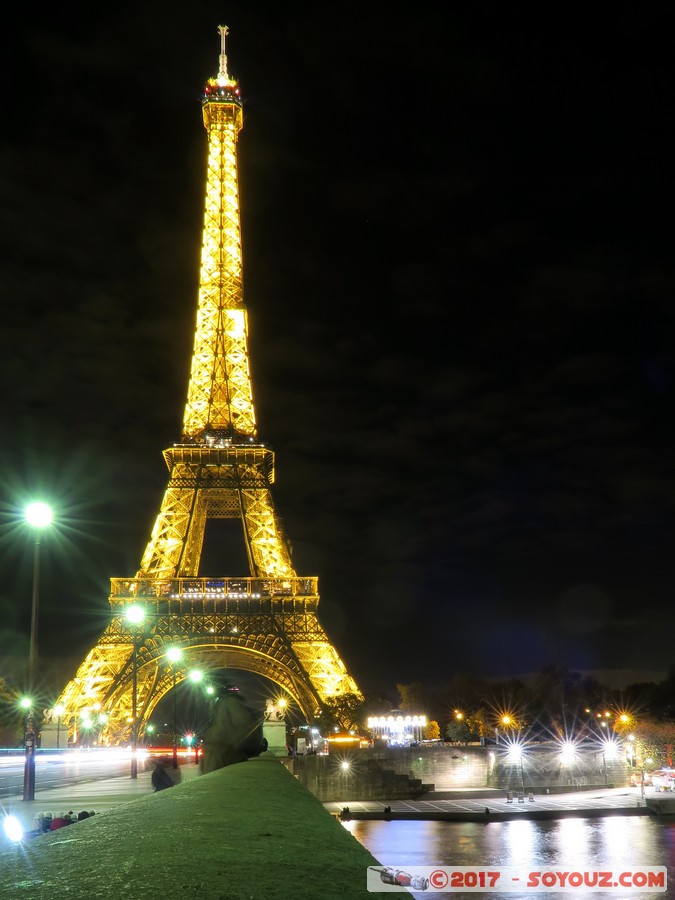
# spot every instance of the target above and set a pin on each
(134, 615)
(26, 704)
(38, 516)
(196, 677)
(174, 654)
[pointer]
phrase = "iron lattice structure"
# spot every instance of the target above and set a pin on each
(265, 622)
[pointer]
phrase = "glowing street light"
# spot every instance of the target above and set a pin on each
(508, 721)
(174, 654)
(568, 753)
(26, 704)
(516, 753)
(13, 829)
(135, 616)
(38, 516)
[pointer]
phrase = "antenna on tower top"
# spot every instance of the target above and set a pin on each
(222, 72)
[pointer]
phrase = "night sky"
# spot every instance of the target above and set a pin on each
(458, 253)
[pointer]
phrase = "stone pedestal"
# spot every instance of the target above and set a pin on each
(52, 736)
(275, 733)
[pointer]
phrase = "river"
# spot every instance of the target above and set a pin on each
(611, 843)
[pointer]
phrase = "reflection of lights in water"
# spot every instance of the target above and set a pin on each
(617, 845)
(520, 838)
(532, 844)
(576, 842)
(413, 842)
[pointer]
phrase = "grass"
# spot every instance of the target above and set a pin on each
(249, 830)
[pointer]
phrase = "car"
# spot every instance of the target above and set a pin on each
(663, 779)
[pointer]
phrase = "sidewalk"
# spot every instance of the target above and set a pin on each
(92, 795)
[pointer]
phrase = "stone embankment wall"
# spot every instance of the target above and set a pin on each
(408, 772)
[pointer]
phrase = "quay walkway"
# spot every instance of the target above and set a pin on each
(497, 805)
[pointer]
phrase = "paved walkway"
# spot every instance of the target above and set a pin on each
(107, 793)
(469, 805)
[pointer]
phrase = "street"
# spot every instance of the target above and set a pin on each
(60, 769)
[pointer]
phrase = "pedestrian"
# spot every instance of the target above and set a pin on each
(38, 825)
(160, 778)
(60, 822)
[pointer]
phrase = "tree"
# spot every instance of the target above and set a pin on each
(345, 712)
(656, 741)
(11, 719)
(431, 731)
(468, 727)
(413, 697)
(458, 730)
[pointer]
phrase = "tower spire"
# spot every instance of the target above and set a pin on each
(223, 30)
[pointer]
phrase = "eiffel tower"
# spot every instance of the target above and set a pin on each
(263, 622)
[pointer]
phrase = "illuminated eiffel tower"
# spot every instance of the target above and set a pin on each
(264, 622)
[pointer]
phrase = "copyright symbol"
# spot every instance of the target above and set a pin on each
(438, 878)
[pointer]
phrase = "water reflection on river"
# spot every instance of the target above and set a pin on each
(614, 842)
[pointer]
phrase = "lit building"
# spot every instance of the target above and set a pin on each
(397, 729)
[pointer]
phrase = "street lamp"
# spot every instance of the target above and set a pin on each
(134, 615)
(507, 721)
(174, 654)
(38, 516)
(196, 677)
(568, 752)
(26, 703)
(516, 753)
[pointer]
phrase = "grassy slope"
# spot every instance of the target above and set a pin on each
(247, 831)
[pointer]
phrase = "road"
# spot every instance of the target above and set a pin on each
(60, 769)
